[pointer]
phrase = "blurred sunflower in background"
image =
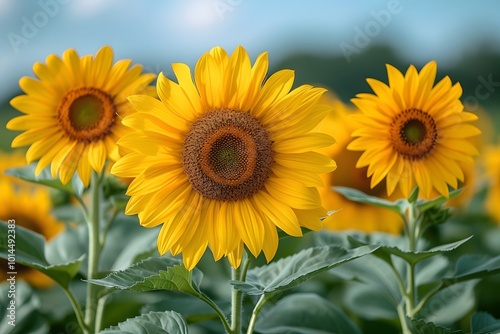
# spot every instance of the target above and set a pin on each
(73, 111)
(226, 159)
(413, 133)
(350, 214)
(492, 167)
(30, 206)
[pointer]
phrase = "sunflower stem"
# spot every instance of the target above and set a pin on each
(236, 302)
(256, 310)
(217, 310)
(412, 233)
(94, 252)
(76, 309)
(238, 274)
(402, 319)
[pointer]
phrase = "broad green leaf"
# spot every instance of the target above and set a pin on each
(19, 306)
(289, 272)
(68, 245)
(422, 327)
(450, 304)
(473, 266)
(192, 310)
(380, 280)
(156, 273)
(483, 323)
(447, 289)
(424, 205)
(27, 173)
(369, 301)
(29, 250)
(152, 323)
(25, 245)
(384, 252)
(134, 240)
(359, 196)
(305, 313)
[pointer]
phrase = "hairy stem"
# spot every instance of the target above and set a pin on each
(94, 252)
(77, 310)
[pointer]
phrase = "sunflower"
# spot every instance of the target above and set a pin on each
(492, 166)
(73, 111)
(414, 133)
(226, 159)
(350, 214)
(29, 205)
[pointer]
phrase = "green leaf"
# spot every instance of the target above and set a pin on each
(135, 242)
(381, 282)
(192, 310)
(23, 310)
(152, 323)
(156, 273)
(289, 272)
(450, 304)
(424, 205)
(422, 327)
(384, 252)
(473, 266)
(359, 196)
(369, 301)
(29, 250)
(483, 323)
(27, 173)
(305, 313)
(456, 289)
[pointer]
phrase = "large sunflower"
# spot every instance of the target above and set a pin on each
(351, 215)
(225, 160)
(29, 206)
(414, 133)
(73, 111)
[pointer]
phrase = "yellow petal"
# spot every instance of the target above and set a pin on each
(277, 212)
(293, 193)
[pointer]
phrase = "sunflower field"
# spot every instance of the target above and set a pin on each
(347, 189)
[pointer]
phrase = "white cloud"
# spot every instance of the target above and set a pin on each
(198, 14)
(83, 8)
(5, 7)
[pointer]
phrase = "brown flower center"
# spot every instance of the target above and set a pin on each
(87, 114)
(227, 155)
(413, 134)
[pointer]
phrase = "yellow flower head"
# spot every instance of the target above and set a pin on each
(73, 111)
(414, 133)
(224, 160)
(492, 166)
(29, 206)
(351, 215)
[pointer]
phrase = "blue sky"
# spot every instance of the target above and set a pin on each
(157, 32)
